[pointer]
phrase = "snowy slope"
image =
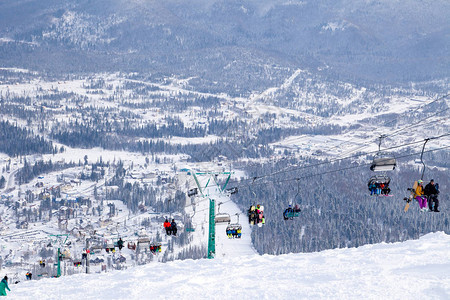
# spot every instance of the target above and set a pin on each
(225, 247)
(418, 269)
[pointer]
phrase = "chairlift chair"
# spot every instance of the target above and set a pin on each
(222, 217)
(234, 230)
(290, 213)
(192, 192)
(65, 254)
(232, 190)
(143, 240)
(380, 179)
(293, 212)
(132, 245)
(256, 215)
(379, 185)
(155, 247)
(383, 164)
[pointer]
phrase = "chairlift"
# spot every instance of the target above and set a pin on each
(256, 212)
(232, 190)
(96, 246)
(192, 192)
(65, 254)
(234, 230)
(131, 245)
(379, 185)
(293, 212)
(110, 247)
(380, 179)
(412, 190)
(222, 217)
(256, 215)
(143, 240)
(190, 227)
(381, 163)
(155, 248)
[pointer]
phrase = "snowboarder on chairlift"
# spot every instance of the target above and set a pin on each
(168, 227)
(419, 196)
(252, 215)
(431, 191)
(174, 227)
(4, 286)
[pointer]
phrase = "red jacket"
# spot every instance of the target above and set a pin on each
(167, 224)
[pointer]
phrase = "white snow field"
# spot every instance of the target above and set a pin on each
(416, 269)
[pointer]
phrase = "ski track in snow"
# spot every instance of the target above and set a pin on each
(417, 269)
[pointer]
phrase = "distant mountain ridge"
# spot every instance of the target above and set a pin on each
(242, 43)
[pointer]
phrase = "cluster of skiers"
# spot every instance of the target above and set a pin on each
(234, 232)
(379, 188)
(171, 228)
(428, 194)
(256, 215)
(290, 212)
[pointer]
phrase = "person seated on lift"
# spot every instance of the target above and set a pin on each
(432, 191)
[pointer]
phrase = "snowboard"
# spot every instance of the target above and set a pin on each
(411, 196)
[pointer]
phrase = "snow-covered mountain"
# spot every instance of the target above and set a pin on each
(107, 108)
(231, 42)
(416, 269)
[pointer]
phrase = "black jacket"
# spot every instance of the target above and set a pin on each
(430, 189)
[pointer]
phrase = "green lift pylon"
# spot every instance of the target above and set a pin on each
(212, 208)
(58, 265)
(212, 230)
(58, 238)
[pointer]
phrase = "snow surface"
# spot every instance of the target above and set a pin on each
(225, 247)
(417, 269)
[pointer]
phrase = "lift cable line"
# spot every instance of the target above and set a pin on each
(395, 133)
(329, 172)
(395, 119)
(347, 168)
(391, 121)
(253, 179)
(335, 160)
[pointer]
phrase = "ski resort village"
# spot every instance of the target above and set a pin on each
(224, 149)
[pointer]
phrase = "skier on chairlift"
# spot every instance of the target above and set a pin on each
(288, 211)
(431, 191)
(120, 243)
(173, 226)
(168, 227)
